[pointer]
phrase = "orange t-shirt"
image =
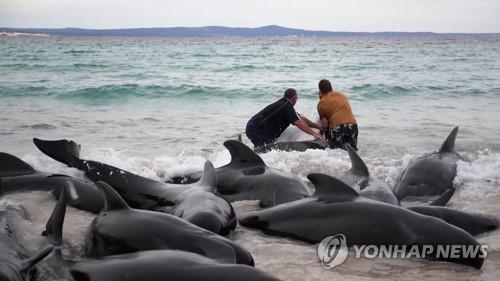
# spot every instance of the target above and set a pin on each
(336, 108)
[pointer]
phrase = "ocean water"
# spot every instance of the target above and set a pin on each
(160, 107)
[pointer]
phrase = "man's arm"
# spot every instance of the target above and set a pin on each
(324, 123)
(311, 123)
(301, 124)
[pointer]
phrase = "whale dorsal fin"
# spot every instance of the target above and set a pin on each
(112, 200)
(10, 166)
(358, 165)
(209, 176)
(242, 154)
(444, 198)
(331, 188)
(449, 144)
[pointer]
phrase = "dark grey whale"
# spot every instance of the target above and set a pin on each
(15, 261)
(358, 177)
(430, 174)
(159, 265)
(153, 265)
(292, 146)
(336, 208)
(119, 229)
(19, 176)
(247, 177)
(197, 203)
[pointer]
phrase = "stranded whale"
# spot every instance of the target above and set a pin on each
(247, 177)
(197, 203)
(152, 265)
(336, 208)
(431, 174)
(359, 178)
(119, 229)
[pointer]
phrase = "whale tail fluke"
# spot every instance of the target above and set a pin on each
(65, 151)
(449, 144)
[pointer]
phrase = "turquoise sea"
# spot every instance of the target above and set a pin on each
(160, 106)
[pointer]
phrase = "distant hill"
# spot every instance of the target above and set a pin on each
(208, 31)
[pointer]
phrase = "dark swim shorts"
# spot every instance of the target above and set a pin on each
(256, 135)
(342, 134)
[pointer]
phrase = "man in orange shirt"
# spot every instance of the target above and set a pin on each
(336, 117)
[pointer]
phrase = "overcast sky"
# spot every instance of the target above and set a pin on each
(332, 15)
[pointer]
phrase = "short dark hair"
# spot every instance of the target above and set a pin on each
(325, 86)
(290, 93)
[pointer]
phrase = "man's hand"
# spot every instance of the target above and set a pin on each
(311, 123)
(301, 124)
(319, 137)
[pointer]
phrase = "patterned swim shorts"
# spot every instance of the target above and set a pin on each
(342, 134)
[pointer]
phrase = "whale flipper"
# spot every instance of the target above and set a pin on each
(54, 226)
(331, 188)
(112, 200)
(27, 264)
(242, 154)
(67, 152)
(11, 166)
(449, 144)
(444, 198)
(209, 176)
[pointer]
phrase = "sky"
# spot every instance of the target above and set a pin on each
(469, 16)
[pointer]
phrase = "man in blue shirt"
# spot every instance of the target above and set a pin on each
(269, 123)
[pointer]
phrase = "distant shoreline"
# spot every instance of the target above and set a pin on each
(209, 31)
